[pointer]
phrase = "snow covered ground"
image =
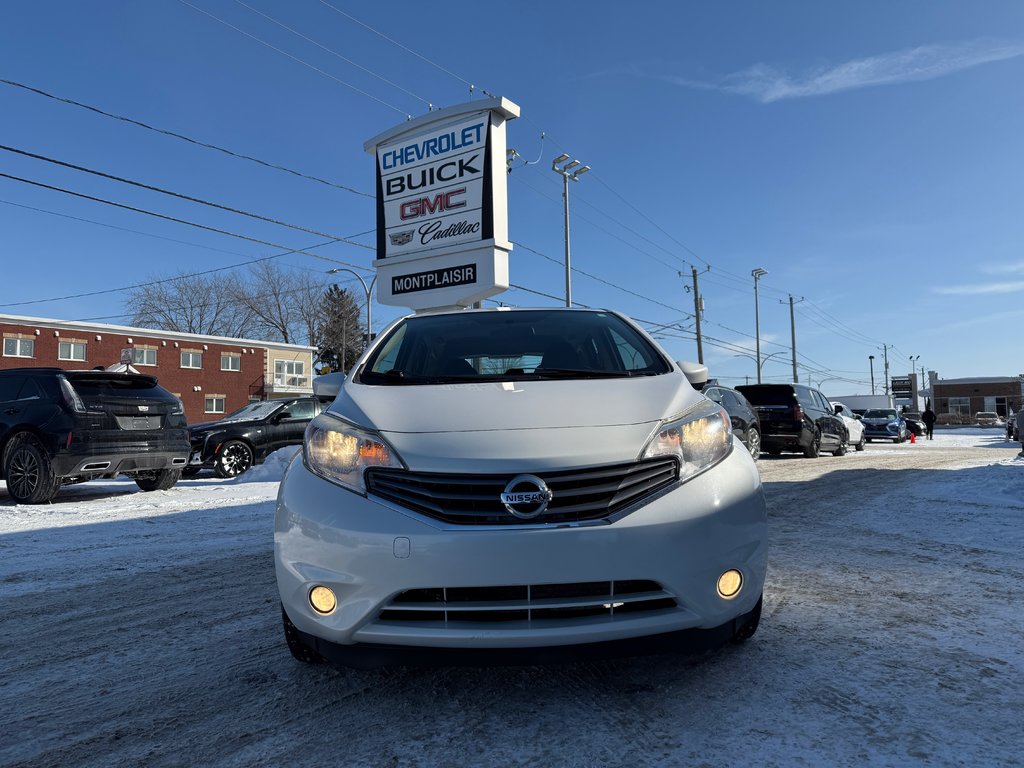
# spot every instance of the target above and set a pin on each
(143, 629)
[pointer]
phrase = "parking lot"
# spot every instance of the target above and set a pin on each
(144, 630)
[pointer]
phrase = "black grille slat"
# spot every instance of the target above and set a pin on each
(532, 604)
(578, 495)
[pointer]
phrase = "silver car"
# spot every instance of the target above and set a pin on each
(520, 484)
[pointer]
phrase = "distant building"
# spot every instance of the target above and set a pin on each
(213, 375)
(965, 397)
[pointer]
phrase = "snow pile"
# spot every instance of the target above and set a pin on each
(271, 470)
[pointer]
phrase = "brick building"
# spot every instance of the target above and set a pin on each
(965, 397)
(213, 375)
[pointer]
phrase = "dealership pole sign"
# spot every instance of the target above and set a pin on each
(442, 220)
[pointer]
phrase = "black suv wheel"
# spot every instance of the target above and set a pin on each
(30, 476)
(234, 458)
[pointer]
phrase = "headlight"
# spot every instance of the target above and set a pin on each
(700, 439)
(340, 452)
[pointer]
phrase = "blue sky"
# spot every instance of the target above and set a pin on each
(868, 156)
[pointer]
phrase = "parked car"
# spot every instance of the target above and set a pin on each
(745, 424)
(988, 419)
(59, 427)
(915, 423)
(246, 437)
(795, 417)
(853, 425)
(535, 484)
(884, 424)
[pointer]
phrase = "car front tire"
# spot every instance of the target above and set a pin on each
(29, 473)
(754, 443)
(751, 626)
(299, 650)
(841, 450)
(233, 458)
(860, 446)
(158, 480)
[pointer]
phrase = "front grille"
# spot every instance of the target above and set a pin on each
(536, 603)
(579, 494)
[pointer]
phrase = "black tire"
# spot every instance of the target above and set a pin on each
(299, 650)
(233, 458)
(190, 471)
(158, 480)
(748, 629)
(29, 473)
(897, 440)
(860, 446)
(841, 450)
(754, 443)
(813, 449)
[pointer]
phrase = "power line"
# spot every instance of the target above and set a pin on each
(333, 52)
(295, 58)
(395, 42)
(182, 137)
(179, 195)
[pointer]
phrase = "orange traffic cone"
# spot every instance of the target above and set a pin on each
(913, 437)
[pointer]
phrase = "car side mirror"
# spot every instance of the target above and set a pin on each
(838, 409)
(857, 416)
(695, 373)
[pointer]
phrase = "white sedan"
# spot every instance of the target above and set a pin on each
(853, 425)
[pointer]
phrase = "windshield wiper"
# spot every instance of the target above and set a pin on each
(580, 373)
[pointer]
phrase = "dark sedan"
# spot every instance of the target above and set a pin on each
(249, 435)
(745, 424)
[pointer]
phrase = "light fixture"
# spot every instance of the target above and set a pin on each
(322, 600)
(729, 584)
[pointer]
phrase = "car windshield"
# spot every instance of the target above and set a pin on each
(516, 345)
(253, 411)
(880, 413)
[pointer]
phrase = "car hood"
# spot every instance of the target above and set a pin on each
(208, 426)
(528, 424)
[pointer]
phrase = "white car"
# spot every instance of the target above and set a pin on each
(853, 425)
(531, 484)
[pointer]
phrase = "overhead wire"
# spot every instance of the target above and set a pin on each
(296, 59)
(178, 195)
(182, 137)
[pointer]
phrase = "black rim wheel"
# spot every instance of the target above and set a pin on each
(235, 458)
(23, 473)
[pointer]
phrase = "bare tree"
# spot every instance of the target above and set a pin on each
(284, 303)
(204, 304)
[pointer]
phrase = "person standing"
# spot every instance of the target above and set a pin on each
(1020, 427)
(928, 417)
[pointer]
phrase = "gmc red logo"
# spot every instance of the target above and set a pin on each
(439, 203)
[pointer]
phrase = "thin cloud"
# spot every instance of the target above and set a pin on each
(982, 289)
(1005, 269)
(767, 84)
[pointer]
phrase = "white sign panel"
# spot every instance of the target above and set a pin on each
(432, 187)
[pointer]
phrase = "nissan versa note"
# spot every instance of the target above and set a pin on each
(516, 486)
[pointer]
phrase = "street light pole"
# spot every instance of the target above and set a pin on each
(871, 361)
(368, 290)
(757, 274)
(568, 171)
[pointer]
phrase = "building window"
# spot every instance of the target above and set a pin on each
(230, 361)
(71, 350)
(290, 373)
(15, 347)
(140, 356)
(191, 359)
(960, 406)
(215, 404)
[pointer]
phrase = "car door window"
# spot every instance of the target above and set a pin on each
(9, 387)
(807, 399)
(30, 390)
(302, 410)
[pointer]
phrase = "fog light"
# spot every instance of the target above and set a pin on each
(322, 599)
(729, 584)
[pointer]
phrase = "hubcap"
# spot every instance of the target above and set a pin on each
(754, 443)
(23, 474)
(236, 459)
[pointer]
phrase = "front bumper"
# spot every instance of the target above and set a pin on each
(369, 551)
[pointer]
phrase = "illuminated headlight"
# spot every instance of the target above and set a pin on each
(700, 439)
(340, 452)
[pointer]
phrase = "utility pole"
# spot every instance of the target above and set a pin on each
(570, 170)
(885, 352)
(697, 301)
(792, 334)
(757, 273)
(871, 362)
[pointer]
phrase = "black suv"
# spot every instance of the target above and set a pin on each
(798, 418)
(745, 423)
(250, 434)
(59, 427)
